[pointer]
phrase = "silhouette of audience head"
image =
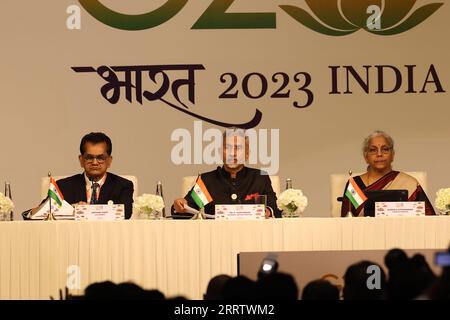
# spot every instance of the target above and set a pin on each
(239, 288)
(395, 258)
(101, 291)
(440, 289)
(277, 286)
(399, 275)
(320, 290)
(123, 291)
(408, 277)
(364, 280)
(424, 275)
(444, 280)
(215, 287)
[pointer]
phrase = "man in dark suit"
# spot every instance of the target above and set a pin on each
(95, 185)
(233, 183)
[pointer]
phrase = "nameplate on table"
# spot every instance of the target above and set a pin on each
(240, 211)
(400, 209)
(103, 212)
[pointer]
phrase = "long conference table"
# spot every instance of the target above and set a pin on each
(179, 257)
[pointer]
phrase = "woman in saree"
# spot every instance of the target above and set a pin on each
(378, 150)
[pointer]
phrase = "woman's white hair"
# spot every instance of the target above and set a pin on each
(377, 133)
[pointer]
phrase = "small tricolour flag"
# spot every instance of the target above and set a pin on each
(200, 194)
(355, 194)
(54, 193)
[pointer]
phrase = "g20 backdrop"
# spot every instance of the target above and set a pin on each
(310, 78)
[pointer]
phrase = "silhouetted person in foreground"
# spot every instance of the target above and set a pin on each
(408, 277)
(360, 282)
(239, 288)
(123, 291)
(440, 289)
(400, 275)
(425, 277)
(320, 290)
(277, 286)
(215, 287)
(101, 291)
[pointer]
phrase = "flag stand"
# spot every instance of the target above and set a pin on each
(349, 213)
(50, 216)
(200, 215)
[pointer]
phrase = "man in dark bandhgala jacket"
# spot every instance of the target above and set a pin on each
(233, 183)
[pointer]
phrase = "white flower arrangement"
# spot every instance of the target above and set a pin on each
(292, 202)
(149, 203)
(6, 205)
(442, 201)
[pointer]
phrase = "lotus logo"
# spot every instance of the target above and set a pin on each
(343, 17)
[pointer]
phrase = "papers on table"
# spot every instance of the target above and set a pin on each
(80, 212)
(65, 212)
(195, 214)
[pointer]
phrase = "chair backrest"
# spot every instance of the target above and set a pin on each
(45, 183)
(338, 181)
(189, 181)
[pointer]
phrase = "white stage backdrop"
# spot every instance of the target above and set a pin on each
(319, 75)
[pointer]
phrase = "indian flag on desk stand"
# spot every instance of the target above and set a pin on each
(54, 205)
(55, 198)
(201, 196)
(355, 194)
(54, 193)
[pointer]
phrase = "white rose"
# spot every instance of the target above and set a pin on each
(442, 201)
(149, 203)
(6, 205)
(292, 201)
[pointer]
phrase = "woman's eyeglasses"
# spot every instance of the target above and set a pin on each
(383, 150)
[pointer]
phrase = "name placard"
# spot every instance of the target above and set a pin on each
(240, 211)
(399, 209)
(104, 212)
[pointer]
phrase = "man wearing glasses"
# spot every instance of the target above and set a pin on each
(95, 185)
(234, 182)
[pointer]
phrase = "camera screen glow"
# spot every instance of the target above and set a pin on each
(267, 267)
(443, 259)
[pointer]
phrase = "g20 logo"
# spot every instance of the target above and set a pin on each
(342, 17)
(334, 17)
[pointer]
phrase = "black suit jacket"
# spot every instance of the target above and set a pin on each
(248, 183)
(115, 188)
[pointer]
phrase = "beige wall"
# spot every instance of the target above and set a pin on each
(46, 107)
